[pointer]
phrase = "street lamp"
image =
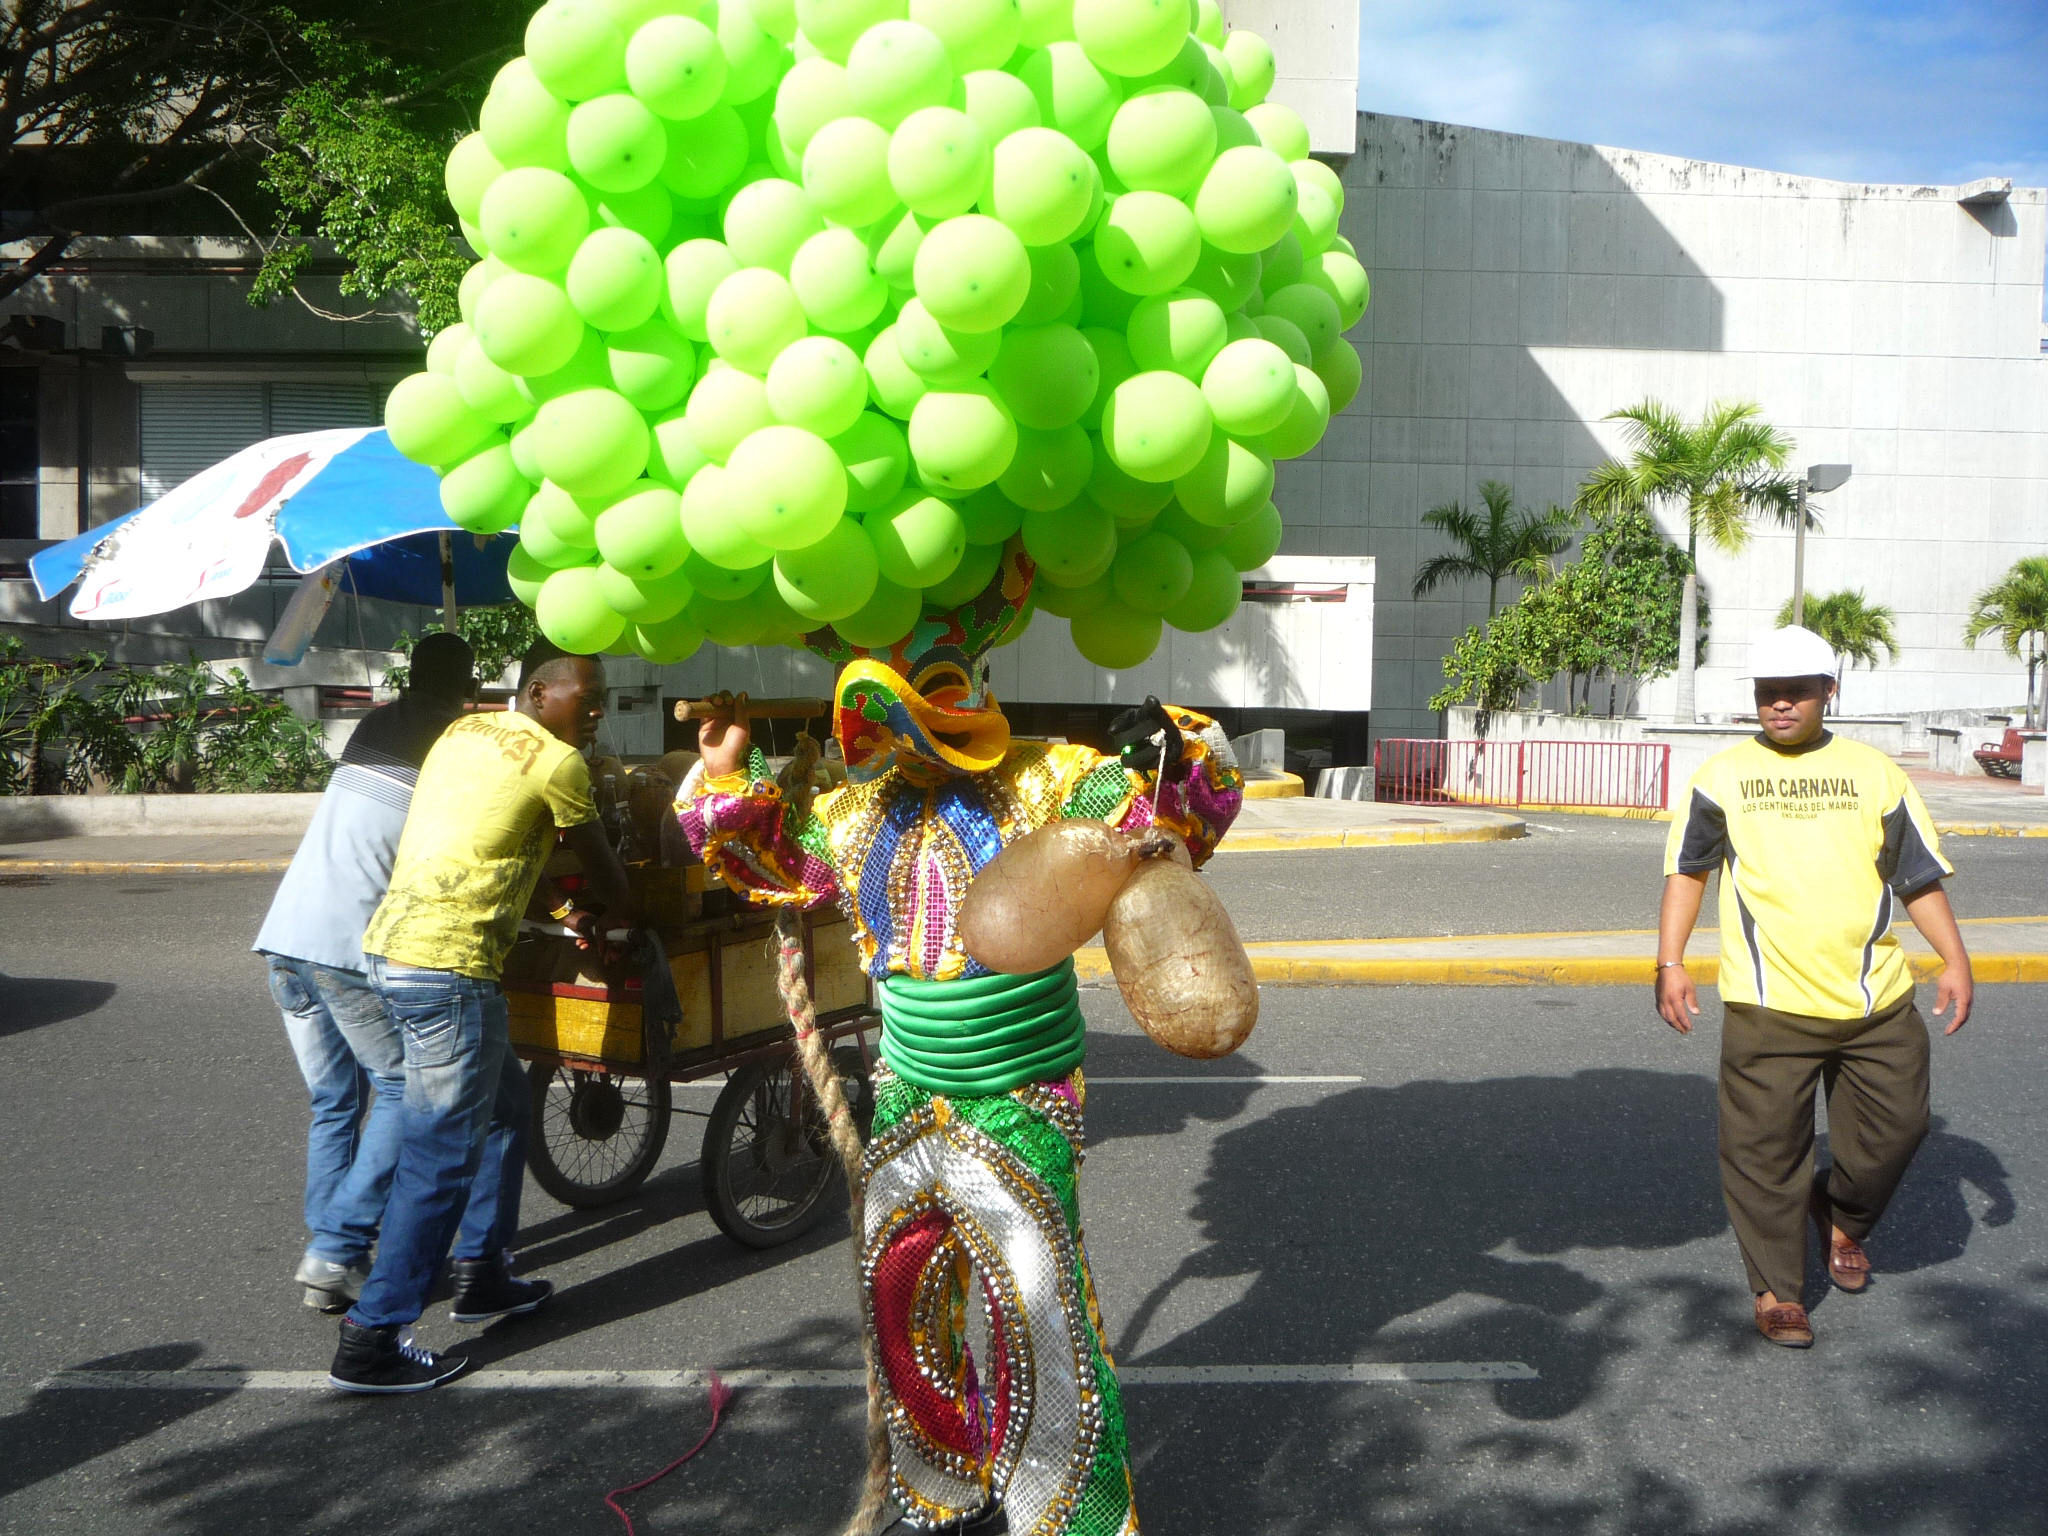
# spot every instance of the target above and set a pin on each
(1820, 478)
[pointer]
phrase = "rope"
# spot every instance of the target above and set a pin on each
(721, 1394)
(795, 987)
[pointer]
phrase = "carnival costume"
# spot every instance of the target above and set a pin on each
(973, 1163)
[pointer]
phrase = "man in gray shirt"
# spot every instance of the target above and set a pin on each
(348, 1049)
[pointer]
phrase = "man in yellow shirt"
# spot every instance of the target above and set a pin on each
(1820, 842)
(491, 795)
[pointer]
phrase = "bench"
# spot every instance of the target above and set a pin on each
(2003, 760)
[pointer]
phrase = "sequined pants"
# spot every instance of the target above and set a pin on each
(966, 1189)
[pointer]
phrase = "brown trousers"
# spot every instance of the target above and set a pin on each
(1874, 1073)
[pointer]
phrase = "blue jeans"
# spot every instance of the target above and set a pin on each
(460, 1159)
(349, 1054)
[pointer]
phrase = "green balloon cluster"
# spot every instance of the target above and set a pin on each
(794, 312)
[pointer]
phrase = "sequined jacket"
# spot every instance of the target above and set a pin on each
(896, 851)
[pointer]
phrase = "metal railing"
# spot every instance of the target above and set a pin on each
(1625, 775)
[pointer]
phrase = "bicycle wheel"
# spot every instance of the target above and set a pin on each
(766, 1177)
(594, 1136)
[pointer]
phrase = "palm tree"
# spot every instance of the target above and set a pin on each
(2015, 608)
(1508, 541)
(1854, 628)
(1722, 471)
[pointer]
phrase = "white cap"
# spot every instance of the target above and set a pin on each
(1790, 652)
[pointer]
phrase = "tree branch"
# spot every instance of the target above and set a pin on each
(21, 276)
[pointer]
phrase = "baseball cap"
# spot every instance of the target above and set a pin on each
(1790, 652)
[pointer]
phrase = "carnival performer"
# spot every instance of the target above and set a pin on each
(973, 1162)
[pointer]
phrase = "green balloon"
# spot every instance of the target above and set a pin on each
(524, 574)
(587, 368)
(694, 270)
(523, 122)
(1046, 21)
(989, 516)
(470, 170)
(591, 441)
(1147, 243)
(767, 220)
(833, 26)
(962, 437)
(445, 346)
(846, 171)
(833, 281)
(1043, 185)
(1113, 359)
(894, 243)
(547, 548)
(1306, 421)
(1231, 483)
(1255, 540)
(1070, 602)
(830, 578)
(886, 617)
(576, 50)
(479, 277)
(918, 538)
(1215, 588)
(1129, 501)
(817, 383)
(1131, 37)
(642, 532)
(1181, 331)
(1209, 22)
(752, 316)
(615, 279)
(712, 528)
(892, 383)
(978, 34)
(523, 460)
(616, 144)
(651, 365)
(647, 211)
(430, 423)
(1047, 375)
(977, 568)
(705, 154)
(673, 457)
(775, 17)
(1055, 286)
(668, 641)
(1342, 370)
(812, 94)
(675, 66)
(486, 388)
(877, 460)
(1288, 337)
(723, 584)
(1250, 387)
(1173, 519)
(1252, 65)
(1316, 212)
(787, 487)
(485, 493)
(1188, 70)
(896, 68)
(1227, 278)
(1152, 572)
(754, 60)
(1281, 264)
(572, 612)
(1074, 96)
(972, 273)
(571, 519)
(1000, 102)
(1049, 469)
(939, 162)
(1233, 128)
(1280, 129)
(1157, 426)
(645, 599)
(1345, 281)
(1072, 542)
(1247, 200)
(938, 354)
(1162, 140)
(534, 220)
(731, 622)
(1116, 637)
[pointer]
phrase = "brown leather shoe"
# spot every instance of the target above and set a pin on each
(1784, 1323)
(1848, 1264)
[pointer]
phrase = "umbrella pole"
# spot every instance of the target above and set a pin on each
(448, 582)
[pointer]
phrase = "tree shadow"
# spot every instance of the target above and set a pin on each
(63, 1427)
(1930, 1219)
(30, 1002)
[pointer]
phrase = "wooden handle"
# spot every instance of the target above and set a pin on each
(757, 709)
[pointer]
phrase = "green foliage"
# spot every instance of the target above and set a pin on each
(2015, 608)
(1721, 472)
(48, 706)
(1855, 628)
(1508, 541)
(499, 636)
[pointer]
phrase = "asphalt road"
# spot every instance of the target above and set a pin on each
(1512, 1175)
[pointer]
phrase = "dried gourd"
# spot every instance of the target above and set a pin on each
(1044, 896)
(1179, 962)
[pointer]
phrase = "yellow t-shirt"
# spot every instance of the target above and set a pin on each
(490, 796)
(1816, 847)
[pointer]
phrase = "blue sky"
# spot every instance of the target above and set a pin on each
(1852, 89)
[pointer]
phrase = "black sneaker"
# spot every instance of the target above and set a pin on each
(486, 1291)
(387, 1360)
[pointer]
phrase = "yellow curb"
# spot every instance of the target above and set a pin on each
(1285, 786)
(142, 867)
(1366, 837)
(1987, 829)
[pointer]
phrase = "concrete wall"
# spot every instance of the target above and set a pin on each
(1315, 54)
(1523, 288)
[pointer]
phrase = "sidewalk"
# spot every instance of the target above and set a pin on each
(1975, 806)
(2002, 950)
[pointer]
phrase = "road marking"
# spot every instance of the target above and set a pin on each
(1186, 1077)
(1398, 1373)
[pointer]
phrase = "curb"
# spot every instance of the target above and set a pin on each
(1279, 786)
(1366, 837)
(1540, 971)
(142, 867)
(1988, 829)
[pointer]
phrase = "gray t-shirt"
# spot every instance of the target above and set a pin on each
(344, 861)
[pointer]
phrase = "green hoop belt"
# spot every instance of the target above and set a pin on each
(983, 1034)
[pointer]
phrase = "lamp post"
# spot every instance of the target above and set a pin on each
(1820, 478)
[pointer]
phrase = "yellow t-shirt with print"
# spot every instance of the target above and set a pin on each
(1817, 846)
(491, 794)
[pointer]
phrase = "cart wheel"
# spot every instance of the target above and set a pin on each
(595, 1137)
(765, 1178)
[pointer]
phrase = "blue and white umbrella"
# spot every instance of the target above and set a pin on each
(344, 494)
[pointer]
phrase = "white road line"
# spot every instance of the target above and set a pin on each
(228, 1380)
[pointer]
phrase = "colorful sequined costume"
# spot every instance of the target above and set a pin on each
(976, 1147)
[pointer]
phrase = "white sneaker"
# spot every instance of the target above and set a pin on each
(330, 1287)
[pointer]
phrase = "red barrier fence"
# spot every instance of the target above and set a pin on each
(1628, 775)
